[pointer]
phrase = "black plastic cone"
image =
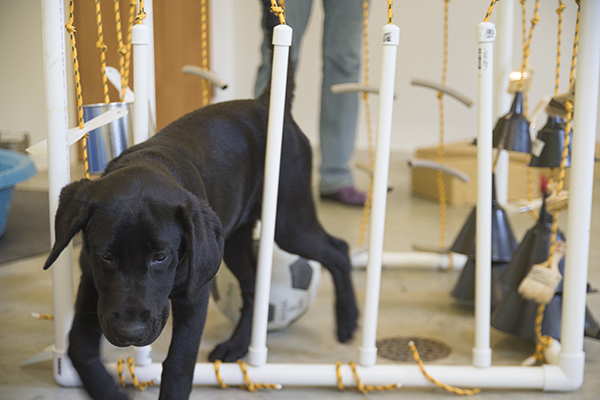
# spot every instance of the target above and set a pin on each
(503, 239)
(464, 290)
(552, 136)
(512, 130)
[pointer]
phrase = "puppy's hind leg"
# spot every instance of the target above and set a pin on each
(240, 259)
(299, 232)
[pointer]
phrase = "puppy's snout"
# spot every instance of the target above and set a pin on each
(131, 327)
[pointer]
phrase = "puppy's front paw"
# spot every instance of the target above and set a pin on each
(228, 352)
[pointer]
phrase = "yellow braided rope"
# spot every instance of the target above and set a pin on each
(559, 11)
(251, 386)
(122, 50)
(544, 341)
(488, 14)
(141, 386)
(204, 50)
(139, 19)
(440, 151)
(71, 29)
(222, 383)
(278, 11)
(527, 46)
(47, 317)
(390, 12)
(365, 97)
(102, 46)
(364, 389)
(128, 45)
(452, 389)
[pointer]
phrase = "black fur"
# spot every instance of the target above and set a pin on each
(157, 223)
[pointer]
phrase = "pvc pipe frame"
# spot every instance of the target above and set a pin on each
(140, 39)
(567, 375)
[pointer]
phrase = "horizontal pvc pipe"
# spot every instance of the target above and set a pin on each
(444, 89)
(205, 74)
(546, 377)
(413, 260)
(416, 163)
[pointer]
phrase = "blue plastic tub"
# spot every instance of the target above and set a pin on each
(14, 168)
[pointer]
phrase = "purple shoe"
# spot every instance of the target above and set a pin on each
(347, 195)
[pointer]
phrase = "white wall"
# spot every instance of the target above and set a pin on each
(415, 121)
(236, 42)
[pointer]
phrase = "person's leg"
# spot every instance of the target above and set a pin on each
(297, 13)
(341, 64)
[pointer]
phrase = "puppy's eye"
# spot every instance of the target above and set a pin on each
(107, 257)
(159, 257)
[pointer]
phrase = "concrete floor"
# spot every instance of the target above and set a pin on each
(414, 303)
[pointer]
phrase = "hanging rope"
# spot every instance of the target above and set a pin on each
(122, 49)
(440, 151)
(544, 341)
(452, 389)
(71, 29)
(488, 14)
(390, 12)
(128, 46)
(204, 51)
(102, 46)
(278, 11)
(139, 19)
(365, 97)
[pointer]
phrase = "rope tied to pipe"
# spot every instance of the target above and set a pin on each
(250, 386)
(364, 389)
(141, 386)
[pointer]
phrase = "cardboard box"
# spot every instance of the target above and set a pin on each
(463, 156)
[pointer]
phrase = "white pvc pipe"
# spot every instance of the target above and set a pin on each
(415, 259)
(390, 41)
(503, 58)
(282, 40)
(140, 38)
(546, 377)
(581, 189)
(482, 353)
(59, 175)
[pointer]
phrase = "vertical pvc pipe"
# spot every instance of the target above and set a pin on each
(149, 22)
(503, 47)
(59, 175)
(482, 353)
(140, 37)
(581, 190)
(282, 40)
(390, 41)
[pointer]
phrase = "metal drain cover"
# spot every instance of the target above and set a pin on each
(397, 349)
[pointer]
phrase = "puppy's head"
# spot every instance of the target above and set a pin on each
(146, 239)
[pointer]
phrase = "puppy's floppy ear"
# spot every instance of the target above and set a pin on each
(204, 244)
(71, 216)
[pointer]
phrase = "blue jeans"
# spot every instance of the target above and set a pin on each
(342, 47)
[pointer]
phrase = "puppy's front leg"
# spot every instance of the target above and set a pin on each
(84, 346)
(178, 367)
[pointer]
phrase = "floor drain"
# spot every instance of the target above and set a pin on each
(397, 349)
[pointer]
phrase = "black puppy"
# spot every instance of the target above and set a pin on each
(157, 223)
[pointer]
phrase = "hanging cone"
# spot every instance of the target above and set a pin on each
(464, 290)
(512, 130)
(503, 238)
(515, 314)
(547, 149)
